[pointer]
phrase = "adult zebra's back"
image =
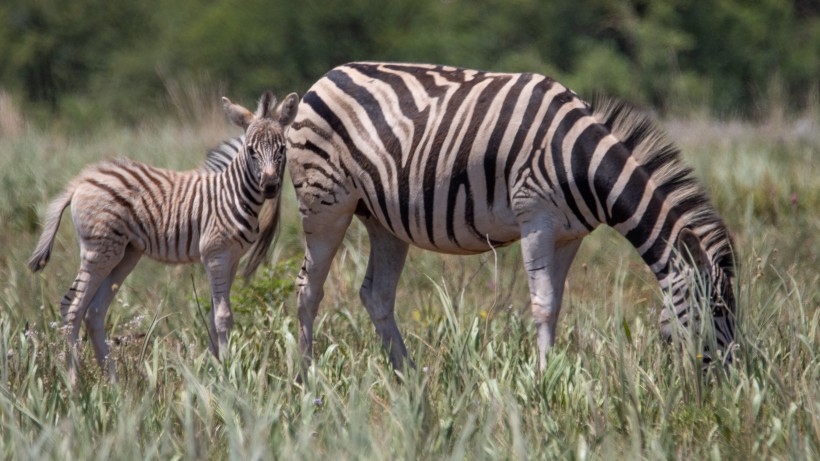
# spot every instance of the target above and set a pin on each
(461, 161)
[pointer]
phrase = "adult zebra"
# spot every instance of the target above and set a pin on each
(462, 161)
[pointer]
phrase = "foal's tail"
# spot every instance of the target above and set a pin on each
(42, 253)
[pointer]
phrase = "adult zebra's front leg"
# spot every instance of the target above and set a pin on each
(547, 263)
(378, 292)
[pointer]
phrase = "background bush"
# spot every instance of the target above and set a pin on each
(731, 56)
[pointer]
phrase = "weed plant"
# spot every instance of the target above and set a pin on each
(612, 389)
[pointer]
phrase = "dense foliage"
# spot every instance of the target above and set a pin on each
(733, 56)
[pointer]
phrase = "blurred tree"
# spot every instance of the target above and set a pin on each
(729, 55)
(50, 47)
(740, 46)
(260, 44)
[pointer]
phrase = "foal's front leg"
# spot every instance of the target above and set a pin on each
(221, 269)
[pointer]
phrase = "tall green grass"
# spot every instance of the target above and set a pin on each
(612, 388)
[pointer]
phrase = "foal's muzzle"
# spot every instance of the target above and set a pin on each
(270, 189)
(270, 181)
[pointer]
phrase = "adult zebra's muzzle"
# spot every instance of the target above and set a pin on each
(675, 326)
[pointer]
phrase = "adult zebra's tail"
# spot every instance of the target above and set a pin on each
(42, 253)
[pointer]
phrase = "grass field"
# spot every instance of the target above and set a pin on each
(612, 390)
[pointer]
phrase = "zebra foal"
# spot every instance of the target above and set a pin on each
(463, 161)
(123, 209)
(216, 161)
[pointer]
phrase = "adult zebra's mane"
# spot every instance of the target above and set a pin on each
(661, 159)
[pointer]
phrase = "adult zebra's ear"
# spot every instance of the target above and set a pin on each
(691, 250)
(237, 114)
(287, 110)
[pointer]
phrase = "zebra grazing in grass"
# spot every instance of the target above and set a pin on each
(123, 209)
(463, 161)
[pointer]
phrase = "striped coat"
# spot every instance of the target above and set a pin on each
(124, 209)
(463, 161)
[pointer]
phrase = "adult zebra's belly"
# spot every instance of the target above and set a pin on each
(468, 246)
(463, 227)
(454, 229)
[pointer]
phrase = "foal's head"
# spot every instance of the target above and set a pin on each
(264, 145)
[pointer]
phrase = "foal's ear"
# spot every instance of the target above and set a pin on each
(287, 110)
(237, 114)
(692, 251)
(267, 105)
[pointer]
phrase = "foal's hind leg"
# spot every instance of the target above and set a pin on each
(98, 259)
(95, 316)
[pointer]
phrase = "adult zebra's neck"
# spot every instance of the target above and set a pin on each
(649, 196)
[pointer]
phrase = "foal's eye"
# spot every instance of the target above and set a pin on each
(251, 151)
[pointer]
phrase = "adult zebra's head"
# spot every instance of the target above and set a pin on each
(700, 289)
(264, 146)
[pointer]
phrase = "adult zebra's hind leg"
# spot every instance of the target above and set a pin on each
(378, 292)
(547, 263)
(323, 235)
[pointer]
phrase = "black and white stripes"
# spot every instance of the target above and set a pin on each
(218, 158)
(123, 209)
(462, 161)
